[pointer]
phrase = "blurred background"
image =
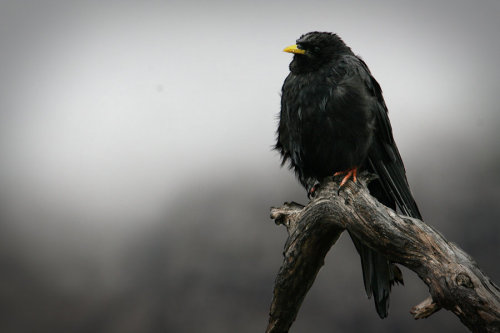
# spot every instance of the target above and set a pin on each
(137, 173)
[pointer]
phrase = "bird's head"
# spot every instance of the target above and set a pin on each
(314, 50)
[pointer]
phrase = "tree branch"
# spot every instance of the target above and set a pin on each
(455, 281)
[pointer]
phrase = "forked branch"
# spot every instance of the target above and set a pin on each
(455, 281)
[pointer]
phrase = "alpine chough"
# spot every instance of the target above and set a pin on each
(333, 121)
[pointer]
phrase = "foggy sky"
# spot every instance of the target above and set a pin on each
(109, 104)
(111, 113)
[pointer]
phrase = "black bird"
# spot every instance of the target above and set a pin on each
(334, 121)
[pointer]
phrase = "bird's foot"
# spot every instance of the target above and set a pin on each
(351, 173)
(311, 193)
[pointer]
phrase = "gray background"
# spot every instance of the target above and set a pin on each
(136, 168)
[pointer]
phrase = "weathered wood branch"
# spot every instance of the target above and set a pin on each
(455, 281)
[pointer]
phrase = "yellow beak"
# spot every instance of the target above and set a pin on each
(294, 49)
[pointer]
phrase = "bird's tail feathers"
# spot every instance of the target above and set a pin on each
(379, 275)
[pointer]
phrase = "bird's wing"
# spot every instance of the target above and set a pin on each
(384, 158)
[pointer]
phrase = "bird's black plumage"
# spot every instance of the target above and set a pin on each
(333, 118)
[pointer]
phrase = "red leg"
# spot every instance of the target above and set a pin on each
(349, 173)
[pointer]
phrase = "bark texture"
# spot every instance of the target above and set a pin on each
(455, 281)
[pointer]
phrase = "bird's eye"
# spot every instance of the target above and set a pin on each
(316, 49)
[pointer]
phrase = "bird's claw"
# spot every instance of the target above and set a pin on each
(351, 173)
(312, 191)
